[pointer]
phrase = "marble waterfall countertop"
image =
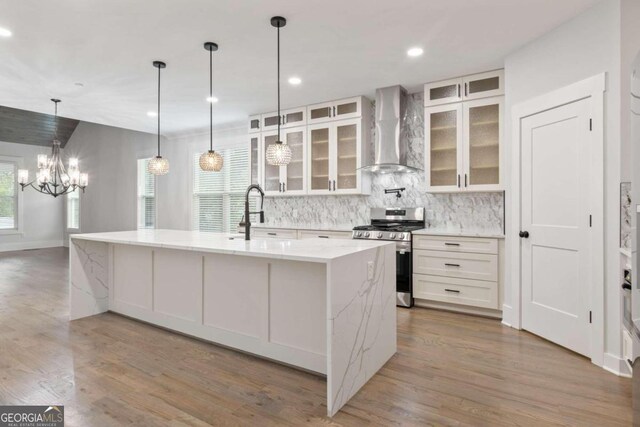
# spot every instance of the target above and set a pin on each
(457, 232)
(312, 250)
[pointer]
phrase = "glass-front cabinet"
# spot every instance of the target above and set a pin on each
(290, 179)
(467, 88)
(482, 120)
(254, 124)
(335, 158)
(463, 146)
(335, 110)
(254, 159)
(288, 118)
(443, 156)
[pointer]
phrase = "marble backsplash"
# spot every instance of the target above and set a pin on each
(481, 212)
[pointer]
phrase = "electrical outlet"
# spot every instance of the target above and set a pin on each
(428, 214)
(295, 213)
(370, 270)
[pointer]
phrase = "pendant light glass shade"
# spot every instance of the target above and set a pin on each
(158, 166)
(278, 154)
(211, 161)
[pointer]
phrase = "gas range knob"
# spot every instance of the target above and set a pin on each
(358, 233)
(367, 234)
(379, 235)
(393, 236)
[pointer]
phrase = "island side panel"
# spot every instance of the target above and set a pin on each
(361, 327)
(88, 278)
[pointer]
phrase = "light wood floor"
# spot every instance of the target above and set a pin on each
(450, 369)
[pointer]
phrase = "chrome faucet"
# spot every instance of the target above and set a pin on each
(247, 214)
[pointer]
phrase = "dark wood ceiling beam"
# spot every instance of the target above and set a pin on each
(28, 127)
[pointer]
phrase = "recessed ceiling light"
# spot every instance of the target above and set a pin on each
(79, 84)
(152, 114)
(295, 81)
(4, 32)
(415, 51)
(212, 99)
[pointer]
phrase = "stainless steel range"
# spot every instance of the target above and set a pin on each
(396, 224)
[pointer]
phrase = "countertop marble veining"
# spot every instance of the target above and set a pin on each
(455, 232)
(312, 250)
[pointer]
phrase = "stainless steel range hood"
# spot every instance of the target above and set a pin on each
(391, 144)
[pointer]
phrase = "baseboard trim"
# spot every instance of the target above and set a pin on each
(507, 312)
(21, 246)
(477, 311)
(616, 365)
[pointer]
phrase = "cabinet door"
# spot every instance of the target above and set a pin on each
(347, 108)
(319, 166)
(319, 113)
(272, 179)
(254, 124)
(443, 148)
(443, 92)
(294, 117)
(254, 159)
(482, 120)
(346, 156)
(293, 176)
(484, 85)
(270, 121)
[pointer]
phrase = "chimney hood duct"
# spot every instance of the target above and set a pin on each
(391, 144)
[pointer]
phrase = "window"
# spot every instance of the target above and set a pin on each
(73, 210)
(146, 196)
(218, 197)
(8, 195)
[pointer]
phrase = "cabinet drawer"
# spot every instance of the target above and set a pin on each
(475, 293)
(274, 233)
(477, 245)
(460, 265)
(311, 234)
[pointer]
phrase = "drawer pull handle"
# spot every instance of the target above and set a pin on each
(451, 265)
(455, 291)
(323, 237)
(451, 244)
(272, 234)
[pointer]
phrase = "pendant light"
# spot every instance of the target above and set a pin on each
(158, 165)
(210, 160)
(278, 154)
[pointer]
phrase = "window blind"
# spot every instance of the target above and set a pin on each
(8, 196)
(218, 197)
(146, 196)
(73, 210)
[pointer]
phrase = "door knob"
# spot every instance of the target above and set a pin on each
(524, 234)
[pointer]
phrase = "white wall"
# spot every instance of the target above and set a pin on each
(175, 188)
(109, 155)
(583, 47)
(42, 215)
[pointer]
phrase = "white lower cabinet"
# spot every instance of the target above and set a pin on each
(457, 270)
(313, 234)
(290, 233)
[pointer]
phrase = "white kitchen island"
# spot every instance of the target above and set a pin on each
(327, 306)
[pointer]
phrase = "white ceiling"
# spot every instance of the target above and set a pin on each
(339, 48)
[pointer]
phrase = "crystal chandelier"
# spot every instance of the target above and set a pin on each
(158, 165)
(211, 161)
(278, 154)
(52, 178)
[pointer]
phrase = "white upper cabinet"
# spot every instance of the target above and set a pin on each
(476, 86)
(254, 124)
(291, 179)
(288, 118)
(443, 92)
(463, 146)
(484, 85)
(336, 154)
(327, 151)
(335, 110)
